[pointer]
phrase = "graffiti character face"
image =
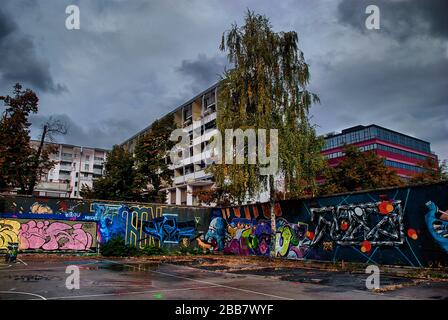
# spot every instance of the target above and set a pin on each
(216, 231)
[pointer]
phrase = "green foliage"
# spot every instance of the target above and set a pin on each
(151, 154)
(116, 247)
(359, 171)
(137, 177)
(154, 250)
(267, 89)
(432, 172)
(20, 164)
(119, 181)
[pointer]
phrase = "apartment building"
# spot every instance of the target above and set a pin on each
(75, 166)
(401, 152)
(197, 116)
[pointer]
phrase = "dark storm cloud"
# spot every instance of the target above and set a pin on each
(96, 134)
(133, 61)
(401, 19)
(389, 92)
(18, 59)
(203, 71)
(394, 77)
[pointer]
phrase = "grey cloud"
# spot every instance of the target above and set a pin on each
(405, 94)
(134, 61)
(203, 71)
(95, 134)
(401, 19)
(19, 61)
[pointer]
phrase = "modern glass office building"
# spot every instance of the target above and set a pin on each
(401, 152)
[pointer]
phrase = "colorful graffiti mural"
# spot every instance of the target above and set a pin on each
(48, 235)
(111, 219)
(167, 229)
(379, 223)
(437, 222)
(9, 231)
(384, 227)
(248, 237)
(293, 240)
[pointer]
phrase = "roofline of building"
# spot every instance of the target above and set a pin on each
(378, 126)
(72, 145)
(215, 85)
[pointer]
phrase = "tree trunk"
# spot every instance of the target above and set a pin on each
(36, 163)
(273, 222)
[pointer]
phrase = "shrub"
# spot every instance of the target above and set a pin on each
(153, 250)
(118, 248)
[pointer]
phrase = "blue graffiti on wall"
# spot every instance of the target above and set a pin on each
(168, 230)
(216, 233)
(111, 220)
(438, 228)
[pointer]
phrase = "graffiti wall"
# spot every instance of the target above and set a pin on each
(406, 226)
(138, 224)
(48, 235)
(142, 225)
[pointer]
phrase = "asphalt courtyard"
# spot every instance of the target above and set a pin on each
(101, 278)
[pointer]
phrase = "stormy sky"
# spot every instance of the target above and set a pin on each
(133, 61)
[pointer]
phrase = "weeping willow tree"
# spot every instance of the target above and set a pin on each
(266, 88)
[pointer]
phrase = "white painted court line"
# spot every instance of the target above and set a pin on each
(32, 268)
(206, 282)
(22, 261)
(127, 293)
(26, 293)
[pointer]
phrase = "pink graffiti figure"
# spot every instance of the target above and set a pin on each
(53, 236)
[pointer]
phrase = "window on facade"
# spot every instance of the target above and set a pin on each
(209, 99)
(210, 125)
(187, 112)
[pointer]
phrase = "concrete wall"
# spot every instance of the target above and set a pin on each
(57, 224)
(396, 226)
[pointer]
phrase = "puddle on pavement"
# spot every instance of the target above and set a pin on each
(34, 278)
(118, 267)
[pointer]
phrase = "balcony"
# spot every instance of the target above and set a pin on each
(53, 186)
(64, 177)
(191, 177)
(187, 123)
(65, 167)
(179, 180)
(67, 158)
(210, 116)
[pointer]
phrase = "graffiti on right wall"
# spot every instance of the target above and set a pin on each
(437, 222)
(393, 228)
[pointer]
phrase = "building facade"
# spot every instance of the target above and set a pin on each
(197, 117)
(401, 153)
(75, 166)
